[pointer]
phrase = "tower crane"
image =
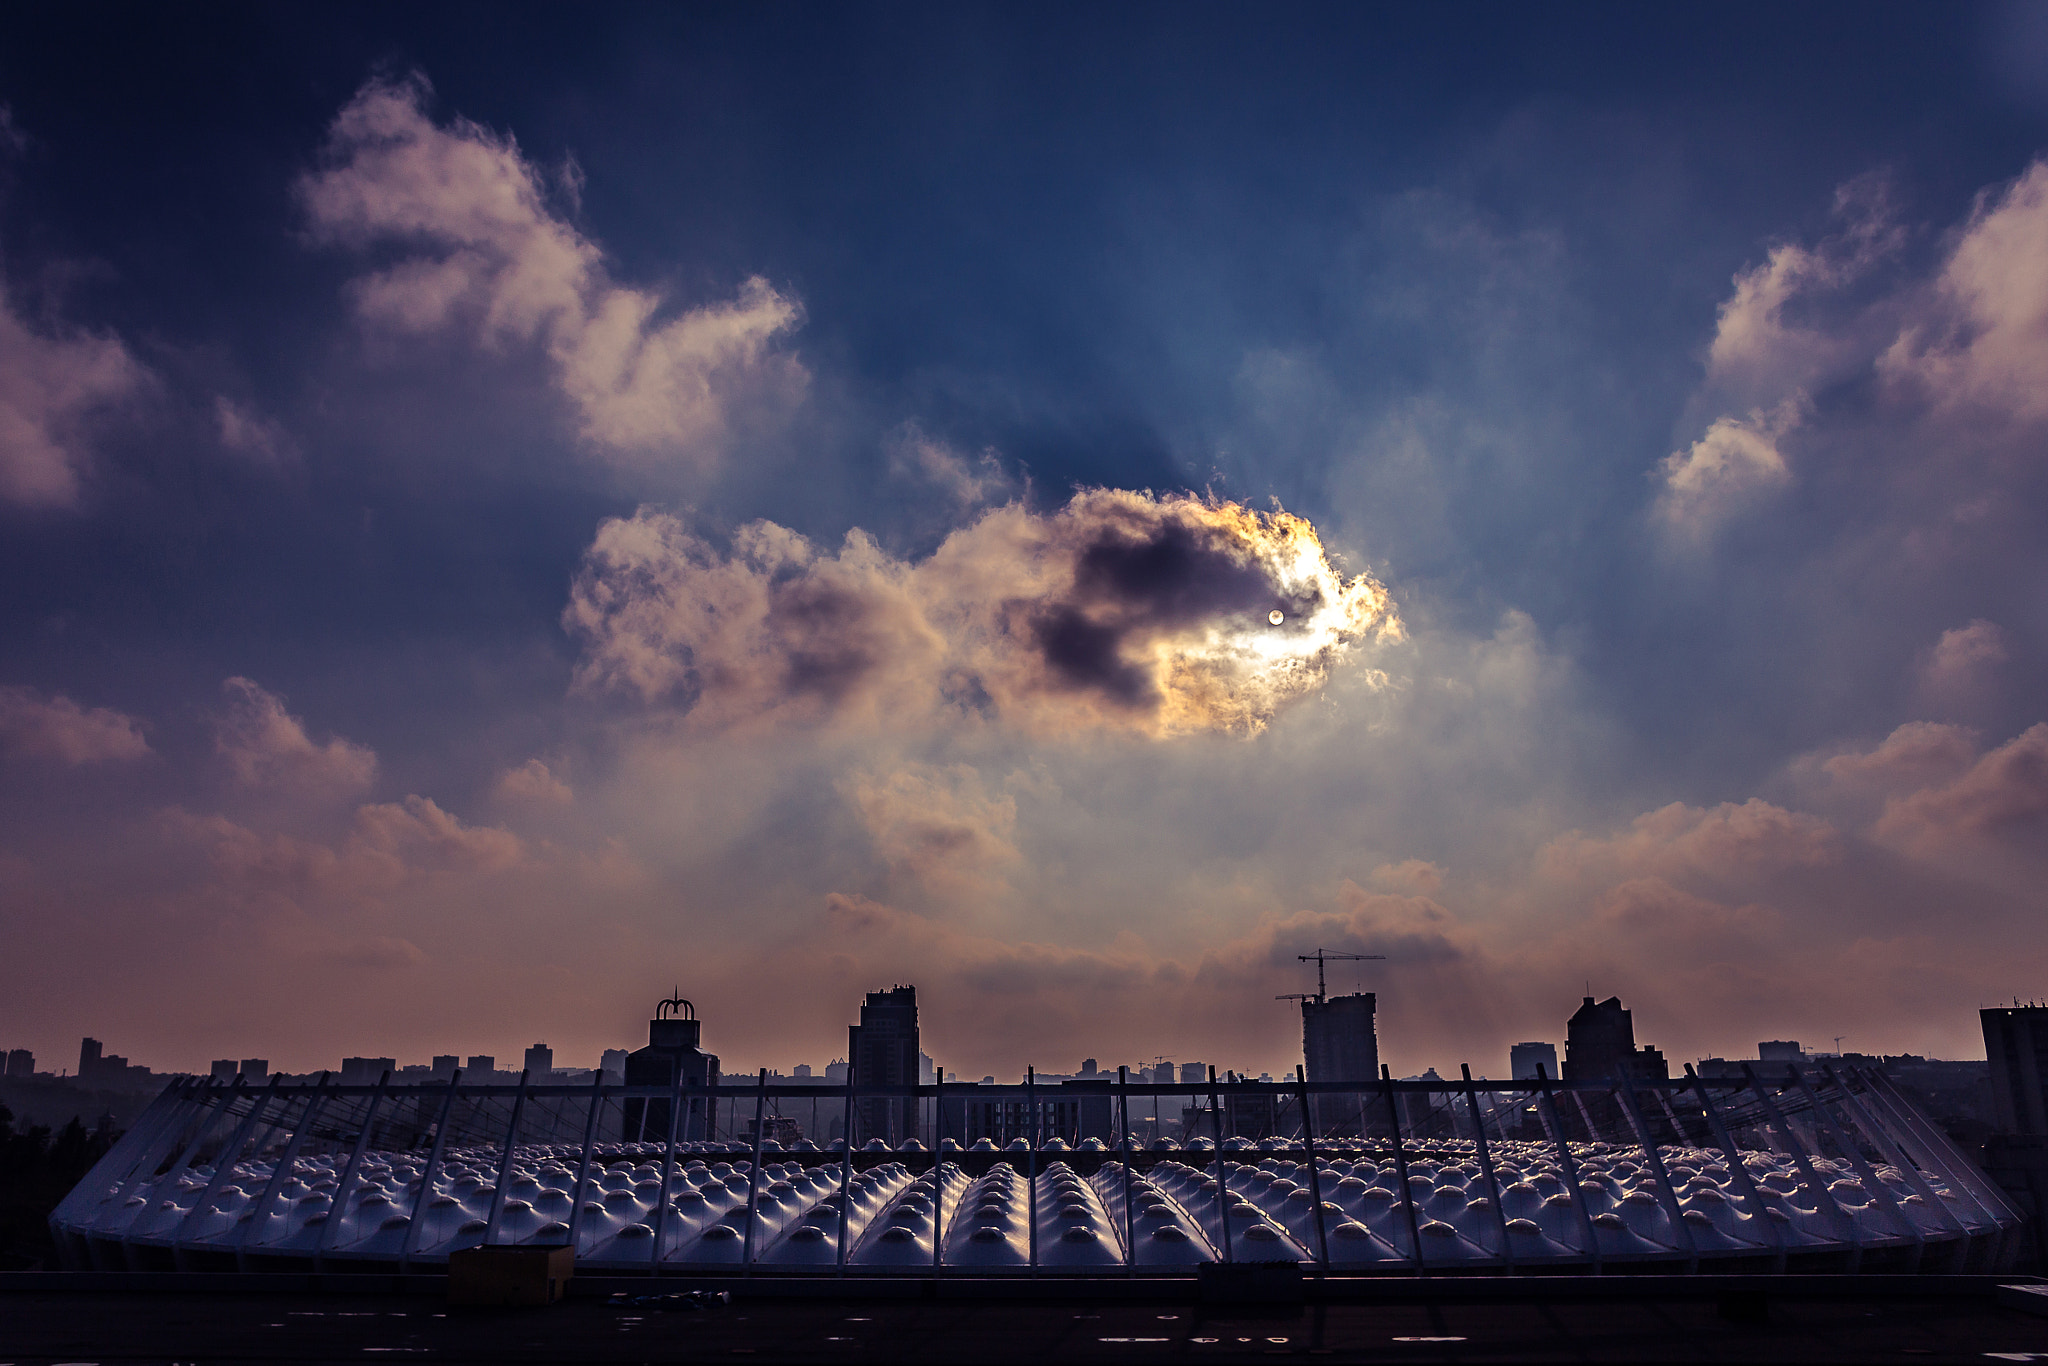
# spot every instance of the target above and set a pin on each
(1318, 957)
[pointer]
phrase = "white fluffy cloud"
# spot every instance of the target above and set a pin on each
(266, 746)
(1954, 363)
(58, 728)
(51, 382)
(483, 250)
(1981, 339)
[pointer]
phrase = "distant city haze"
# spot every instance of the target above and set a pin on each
(506, 521)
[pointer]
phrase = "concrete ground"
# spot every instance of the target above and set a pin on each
(1652, 1324)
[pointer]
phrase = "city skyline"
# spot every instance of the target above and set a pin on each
(1070, 510)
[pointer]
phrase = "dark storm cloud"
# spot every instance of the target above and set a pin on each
(1121, 609)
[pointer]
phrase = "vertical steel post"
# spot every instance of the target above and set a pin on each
(754, 1174)
(419, 1202)
(1401, 1170)
(676, 1094)
(1031, 1161)
(938, 1166)
(1315, 1178)
(1500, 1216)
(1625, 1091)
(1222, 1181)
(346, 1185)
(498, 1196)
(583, 1167)
(1571, 1168)
(846, 1169)
(1123, 1083)
(1739, 1171)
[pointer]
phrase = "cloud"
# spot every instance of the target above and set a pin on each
(1122, 610)
(1770, 343)
(2001, 800)
(1981, 341)
(250, 435)
(51, 383)
(483, 251)
(418, 833)
(1676, 842)
(268, 747)
(1917, 754)
(58, 728)
(1964, 659)
(938, 826)
(967, 481)
(1737, 460)
(533, 781)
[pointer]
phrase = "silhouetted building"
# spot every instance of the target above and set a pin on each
(613, 1065)
(89, 1058)
(675, 1060)
(365, 1071)
(1338, 1044)
(224, 1069)
(446, 1065)
(1780, 1050)
(481, 1063)
(1600, 1044)
(1525, 1058)
(2016, 1043)
(540, 1061)
(1070, 1111)
(1193, 1074)
(883, 1051)
(255, 1070)
(20, 1063)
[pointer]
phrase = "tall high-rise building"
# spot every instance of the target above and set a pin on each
(365, 1071)
(89, 1055)
(1338, 1043)
(540, 1060)
(224, 1069)
(478, 1066)
(883, 1051)
(1780, 1050)
(446, 1064)
(1194, 1074)
(254, 1070)
(1524, 1058)
(1600, 1044)
(613, 1065)
(2016, 1042)
(20, 1063)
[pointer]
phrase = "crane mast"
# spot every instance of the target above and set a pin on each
(1318, 957)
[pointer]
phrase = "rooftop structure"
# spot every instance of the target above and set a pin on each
(1827, 1172)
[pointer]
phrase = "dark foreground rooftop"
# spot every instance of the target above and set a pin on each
(1819, 1319)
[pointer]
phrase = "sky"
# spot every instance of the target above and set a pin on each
(509, 512)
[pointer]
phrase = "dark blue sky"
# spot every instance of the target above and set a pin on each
(1461, 285)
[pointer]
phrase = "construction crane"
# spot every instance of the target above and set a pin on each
(1322, 987)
